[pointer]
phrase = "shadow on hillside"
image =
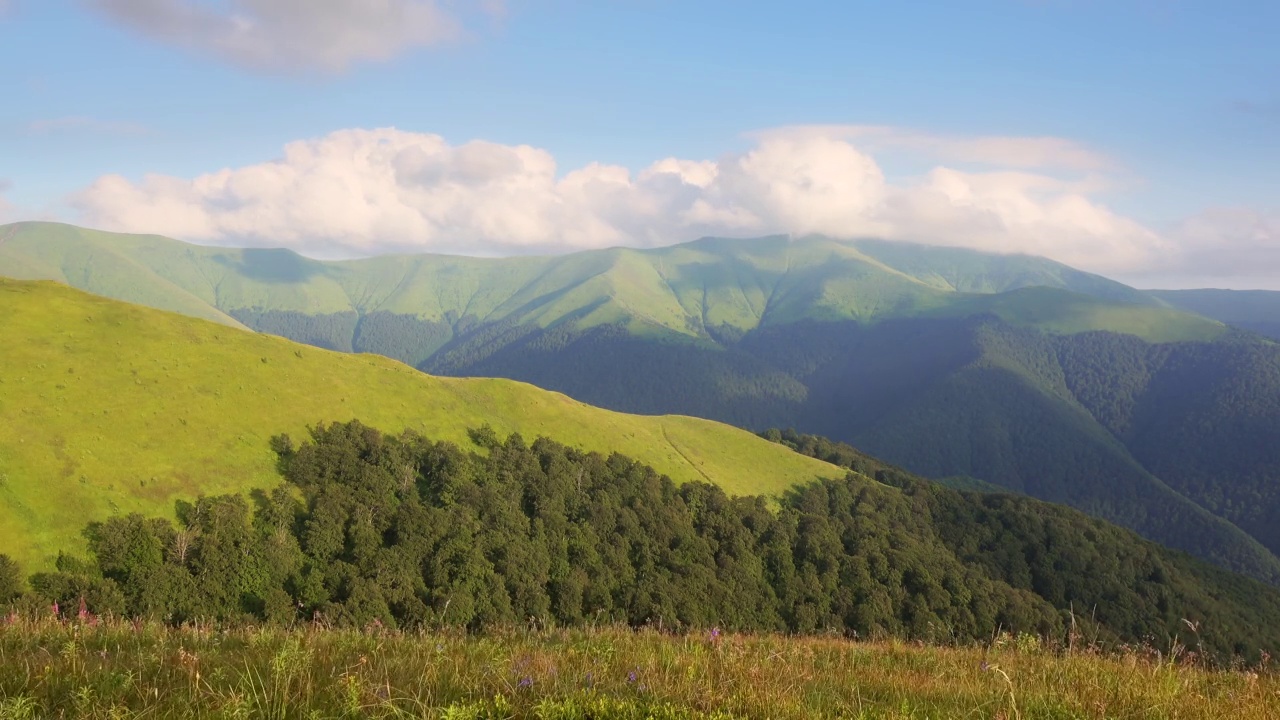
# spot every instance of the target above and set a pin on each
(272, 265)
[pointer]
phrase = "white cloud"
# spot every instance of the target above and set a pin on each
(292, 35)
(361, 192)
(1020, 212)
(1232, 246)
(1226, 247)
(1048, 153)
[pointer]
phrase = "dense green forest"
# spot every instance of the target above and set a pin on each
(331, 332)
(1254, 310)
(1010, 370)
(1168, 439)
(404, 531)
(847, 456)
(403, 337)
(1049, 416)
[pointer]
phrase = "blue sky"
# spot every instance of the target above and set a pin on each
(1140, 138)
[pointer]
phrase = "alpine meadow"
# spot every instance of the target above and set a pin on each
(524, 360)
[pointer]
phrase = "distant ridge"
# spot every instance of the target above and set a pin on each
(1255, 310)
(693, 291)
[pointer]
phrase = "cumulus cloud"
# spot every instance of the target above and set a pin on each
(292, 35)
(1046, 153)
(362, 192)
(1226, 247)
(1229, 242)
(1008, 211)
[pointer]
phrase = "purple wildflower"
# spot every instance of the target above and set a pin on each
(526, 682)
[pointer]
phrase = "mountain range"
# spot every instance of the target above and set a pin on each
(1256, 310)
(1154, 410)
(111, 412)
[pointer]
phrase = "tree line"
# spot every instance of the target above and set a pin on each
(403, 531)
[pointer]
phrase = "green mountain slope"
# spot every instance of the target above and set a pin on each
(1202, 416)
(703, 291)
(111, 408)
(946, 361)
(1255, 310)
(407, 532)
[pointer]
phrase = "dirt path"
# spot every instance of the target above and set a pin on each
(687, 459)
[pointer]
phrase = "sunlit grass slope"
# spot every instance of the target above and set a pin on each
(1062, 312)
(690, 291)
(110, 408)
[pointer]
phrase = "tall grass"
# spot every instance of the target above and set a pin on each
(120, 670)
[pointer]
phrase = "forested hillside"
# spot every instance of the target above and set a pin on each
(405, 531)
(110, 408)
(1010, 370)
(977, 397)
(1255, 310)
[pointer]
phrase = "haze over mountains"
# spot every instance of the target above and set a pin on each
(1012, 370)
(1256, 310)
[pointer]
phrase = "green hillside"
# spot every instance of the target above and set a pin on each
(111, 408)
(1255, 310)
(946, 361)
(702, 291)
(1063, 312)
(407, 532)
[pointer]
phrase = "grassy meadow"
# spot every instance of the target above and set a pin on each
(109, 408)
(121, 670)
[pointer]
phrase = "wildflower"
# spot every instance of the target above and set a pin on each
(588, 681)
(525, 682)
(715, 634)
(56, 612)
(631, 676)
